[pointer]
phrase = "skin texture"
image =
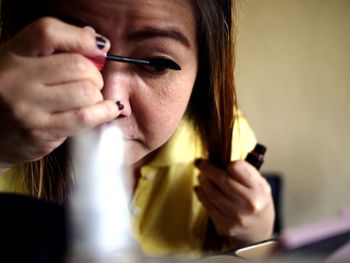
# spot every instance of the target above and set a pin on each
(154, 102)
(50, 91)
(238, 200)
(47, 96)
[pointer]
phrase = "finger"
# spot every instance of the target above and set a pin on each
(65, 67)
(244, 173)
(259, 190)
(50, 35)
(70, 96)
(212, 191)
(234, 189)
(221, 179)
(211, 208)
(222, 223)
(228, 206)
(69, 123)
(89, 28)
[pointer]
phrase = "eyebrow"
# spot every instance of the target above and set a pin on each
(152, 32)
(145, 33)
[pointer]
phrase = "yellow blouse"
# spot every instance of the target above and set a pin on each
(168, 219)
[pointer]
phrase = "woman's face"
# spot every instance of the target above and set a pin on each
(155, 101)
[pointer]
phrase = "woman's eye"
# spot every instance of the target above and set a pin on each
(161, 65)
(155, 69)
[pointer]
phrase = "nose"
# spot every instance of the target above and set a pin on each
(118, 84)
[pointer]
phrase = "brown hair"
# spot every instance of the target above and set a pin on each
(211, 107)
(213, 101)
(213, 98)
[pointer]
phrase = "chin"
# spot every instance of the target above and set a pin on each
(133, 152)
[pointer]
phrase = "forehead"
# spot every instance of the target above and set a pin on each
(119, 14)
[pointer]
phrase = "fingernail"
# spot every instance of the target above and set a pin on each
(120, 105)
(101, 42)
(197, 162)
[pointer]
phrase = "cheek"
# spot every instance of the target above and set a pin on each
(164, 110)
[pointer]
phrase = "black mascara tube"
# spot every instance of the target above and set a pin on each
(256, 156)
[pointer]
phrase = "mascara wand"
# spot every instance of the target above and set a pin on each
(158, 62)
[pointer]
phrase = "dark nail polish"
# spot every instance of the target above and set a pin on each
(120, 105)
(101, 42)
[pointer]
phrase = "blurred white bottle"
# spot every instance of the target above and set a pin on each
(98, 208)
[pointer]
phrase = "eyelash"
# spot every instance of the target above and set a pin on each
(162, 67)
(153, 69)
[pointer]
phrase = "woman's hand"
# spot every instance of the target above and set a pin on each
(49, 90)
(238, 200)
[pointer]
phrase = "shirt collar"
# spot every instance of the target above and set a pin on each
(182, 147)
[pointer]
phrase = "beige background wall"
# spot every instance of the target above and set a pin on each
(293, 74)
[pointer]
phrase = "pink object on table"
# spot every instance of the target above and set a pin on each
(302, 235)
